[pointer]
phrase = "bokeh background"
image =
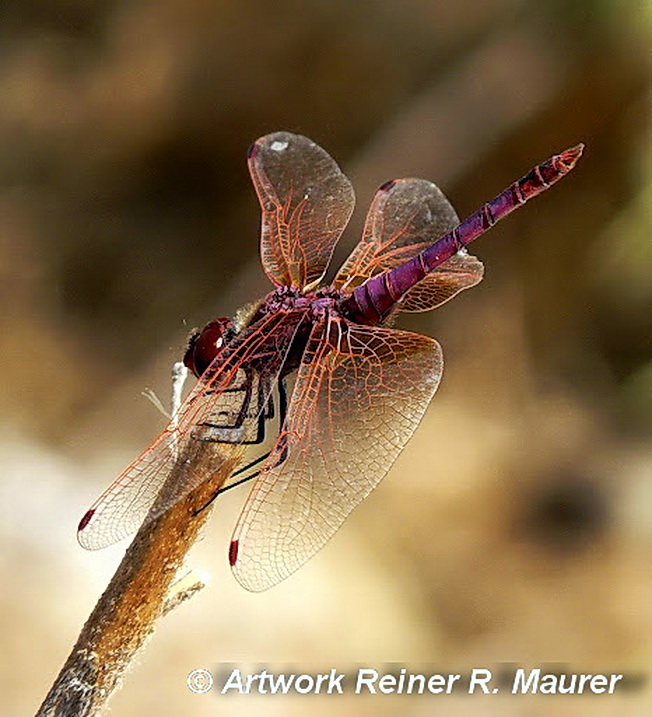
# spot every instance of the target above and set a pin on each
(517, 525)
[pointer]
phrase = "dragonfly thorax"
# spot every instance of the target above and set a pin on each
(289, 298)
(323, 301)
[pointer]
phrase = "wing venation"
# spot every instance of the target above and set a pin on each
(306, 203)
(359, 395)
(405, 217)
(210, 405)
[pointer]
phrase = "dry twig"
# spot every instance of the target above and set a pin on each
(141, 590)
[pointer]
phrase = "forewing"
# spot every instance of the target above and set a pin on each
(306, 203)
(121, 509)
(405, 217)
(359, 396)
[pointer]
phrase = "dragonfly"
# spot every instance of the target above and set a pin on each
(360, 387)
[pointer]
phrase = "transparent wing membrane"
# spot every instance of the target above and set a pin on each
(461, 271)
(217, 412)
(405, 217)
(306, 203)
(359, 395)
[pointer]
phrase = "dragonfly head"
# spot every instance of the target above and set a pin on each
(205, 345)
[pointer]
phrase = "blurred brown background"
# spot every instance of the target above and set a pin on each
(517, 525)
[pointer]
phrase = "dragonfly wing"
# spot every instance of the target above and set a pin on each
(306, 203)
(405, 217)
(461, 271)
(202, 424)
(359, 396)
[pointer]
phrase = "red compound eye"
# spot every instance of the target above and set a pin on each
(205, 345)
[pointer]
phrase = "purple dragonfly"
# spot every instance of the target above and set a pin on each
(360, 387)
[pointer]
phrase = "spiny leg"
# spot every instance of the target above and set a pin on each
(233, 429)
(282, 411)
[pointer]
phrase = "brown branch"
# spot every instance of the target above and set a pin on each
(142, 588)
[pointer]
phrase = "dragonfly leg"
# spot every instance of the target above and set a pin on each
(233, 429)
(246, 479)
(282, 410)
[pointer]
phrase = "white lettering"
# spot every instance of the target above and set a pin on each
(479, 677)
(250, 680)
(335, 683)
(548, 685)
(520, 683)
(437, 683)
(282, 684)
(598, 684)
(309, 681)
(366, 678)
(411, 682)
(567, 684)
(261, 685)
(234, 683)
(387, 684)
(370, 681)
(564, 684)
(401, 681)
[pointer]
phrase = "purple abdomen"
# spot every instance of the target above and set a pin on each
(373, 301)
